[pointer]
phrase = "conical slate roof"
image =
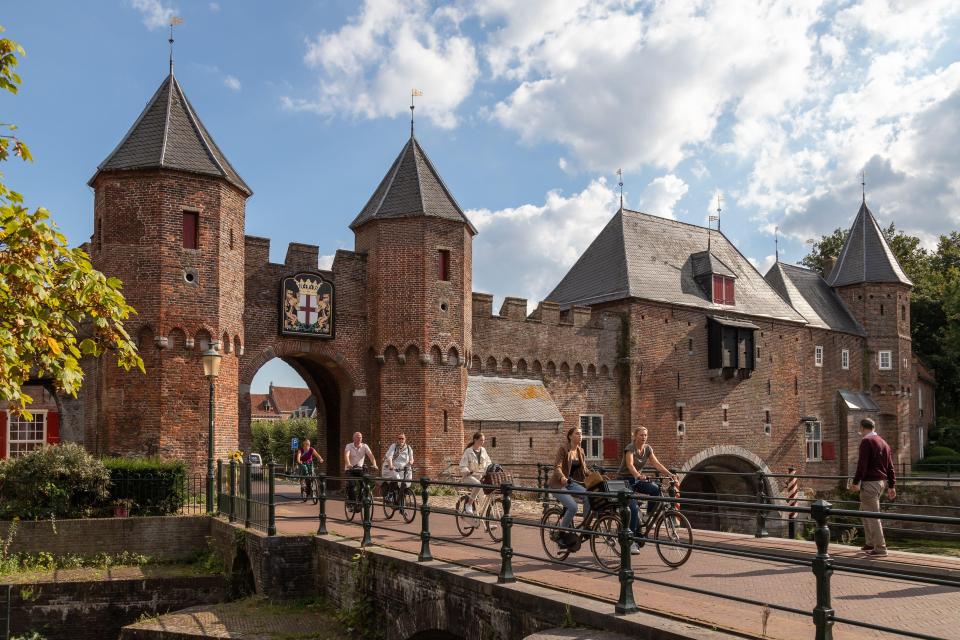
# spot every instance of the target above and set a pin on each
(866, 256)
(812, 297)
(169, 135)
(412, 187)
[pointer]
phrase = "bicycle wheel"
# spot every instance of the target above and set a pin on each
(315, 489)
(304, 495)
(389, 503)
(673, 527)
(549, 537)
(351, 507)
(494, 512)
(605, 541)
(465, 523)
(408, 506)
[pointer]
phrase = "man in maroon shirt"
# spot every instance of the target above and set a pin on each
(874, 474)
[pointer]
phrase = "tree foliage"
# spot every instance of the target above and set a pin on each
(55, 307)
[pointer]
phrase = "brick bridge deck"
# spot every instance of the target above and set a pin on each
(894, 603)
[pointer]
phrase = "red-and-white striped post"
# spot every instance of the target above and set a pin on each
(792, 491)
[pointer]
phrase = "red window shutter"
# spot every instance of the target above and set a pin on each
(3, 434)
(190, 231)
(53, 427)
(611, 449)
(829, 451)
(728, 290)
(718, 289)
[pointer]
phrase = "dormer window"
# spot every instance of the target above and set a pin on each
(723, 290)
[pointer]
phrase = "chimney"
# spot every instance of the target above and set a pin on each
(829, 262)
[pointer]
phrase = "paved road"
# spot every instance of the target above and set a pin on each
(892, 603)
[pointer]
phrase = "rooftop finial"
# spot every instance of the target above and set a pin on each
(719, 198)
(174, 21)
(710, 220)
(863, 185)
(620, 183)
(413, 94)
(776, 243)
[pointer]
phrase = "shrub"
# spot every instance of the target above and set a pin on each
(271, 438)
(939, 463)
(152, 486)
(947, 433)
(940, 450)
(58, 481)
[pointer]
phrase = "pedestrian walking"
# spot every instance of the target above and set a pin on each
(874, 474)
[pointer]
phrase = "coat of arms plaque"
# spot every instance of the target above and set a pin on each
(306, 306)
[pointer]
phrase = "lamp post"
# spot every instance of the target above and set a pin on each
(211, 368)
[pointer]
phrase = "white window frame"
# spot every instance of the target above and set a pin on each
(9, 435)
(845, 359)
(889, 355)
(588, 424)
(813, 440)
(818, 356)
(920, 442)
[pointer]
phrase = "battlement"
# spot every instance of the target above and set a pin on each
(548, 313)
(299, 257)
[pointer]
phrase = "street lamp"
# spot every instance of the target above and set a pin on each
(211, 369)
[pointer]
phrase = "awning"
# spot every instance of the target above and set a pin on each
(492, 399)
(733, 322)
(858, 401)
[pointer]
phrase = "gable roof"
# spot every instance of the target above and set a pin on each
(648, 257)
(412, 187)
(812, 297)
(289, 399)
(508, 400)
(866, 256)
(169, 135)
(705, 263)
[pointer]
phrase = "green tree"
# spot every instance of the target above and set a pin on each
(54, 306)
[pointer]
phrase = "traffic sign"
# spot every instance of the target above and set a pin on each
(294, 443)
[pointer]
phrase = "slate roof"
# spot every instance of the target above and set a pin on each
(866, 256)
(169, 135)
(643, 256)
(705, 263)
(858, 401)
(412, 187)
(812, 297)
(492, 399)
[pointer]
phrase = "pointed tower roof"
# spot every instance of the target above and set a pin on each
(412, 187)
(169, 135)
(866, 256)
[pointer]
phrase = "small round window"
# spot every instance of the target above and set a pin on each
(443, 306)
(190, 276)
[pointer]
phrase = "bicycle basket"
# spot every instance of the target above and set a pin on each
(498, 478)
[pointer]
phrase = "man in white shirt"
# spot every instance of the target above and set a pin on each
(354, 455)
(398, 463)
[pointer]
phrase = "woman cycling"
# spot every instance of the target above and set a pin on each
(306, 457)
(636, 456)
(569, 474)
(473, 464)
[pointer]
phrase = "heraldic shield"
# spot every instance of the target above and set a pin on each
(306, 306)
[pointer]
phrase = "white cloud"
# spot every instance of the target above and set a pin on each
(763, 265)
(525, 250)
(662, 195)
(232, 83)
(214, 7)
(326, 261)
(155, 15)
(368, 67)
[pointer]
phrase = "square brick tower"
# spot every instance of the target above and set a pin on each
(877, 291)
(168, 221)
(418, 246)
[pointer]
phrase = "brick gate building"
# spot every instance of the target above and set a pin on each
(659, 323)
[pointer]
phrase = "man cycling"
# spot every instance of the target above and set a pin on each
(398, 462)
(306, 457)
(354, 455)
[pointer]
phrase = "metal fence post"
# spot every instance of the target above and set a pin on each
(233, 490)
(248, 501)
(219, 486)
(822, 570)
(367, 506)
(762, 499)
(506, 550)
(424, 522)
(626, 603)
(322, 482)
(272, 498)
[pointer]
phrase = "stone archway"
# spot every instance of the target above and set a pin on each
(725, 472)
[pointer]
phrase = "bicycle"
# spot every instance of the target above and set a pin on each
(487, 509)
(399, 496)
(352, 507)
(309, 486)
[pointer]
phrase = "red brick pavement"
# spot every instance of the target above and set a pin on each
(892, 603)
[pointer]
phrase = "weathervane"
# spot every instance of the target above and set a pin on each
(776, 243)
(174, 21)
(620, 183)
(710, 220)
(413, 94)
(863, 185)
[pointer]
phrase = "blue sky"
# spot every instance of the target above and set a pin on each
(528, 110)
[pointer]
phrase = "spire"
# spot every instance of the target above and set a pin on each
(620, 183)
(174, 21)
(413, 94)
(863, 185)
(411, 188)
(169, 135)
(776, 244)
(866, 256)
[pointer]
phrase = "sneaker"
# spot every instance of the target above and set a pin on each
(468, 509)
(878, 552)
(634, 549)
(866, 547)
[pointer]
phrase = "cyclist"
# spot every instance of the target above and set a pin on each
(306, 458)
(569, 474)
(636, 455)
(354, 455)
(398, 461)
(473, 464)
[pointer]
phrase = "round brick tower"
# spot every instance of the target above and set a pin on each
(418, 245)
(169, 222)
